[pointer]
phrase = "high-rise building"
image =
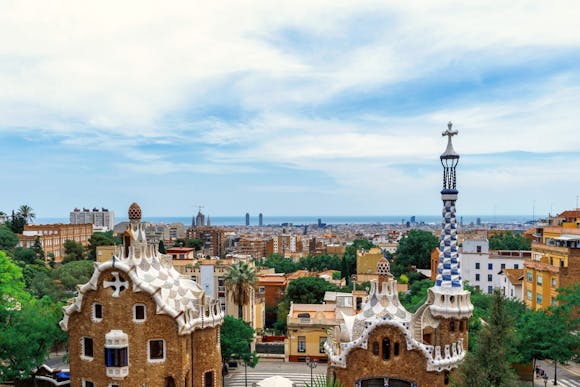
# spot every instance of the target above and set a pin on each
(387, 345)
(212, 238)
(247, 218)
(103, 219)
(260, 220)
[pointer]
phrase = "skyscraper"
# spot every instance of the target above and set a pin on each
(247, 218)
(260, 219)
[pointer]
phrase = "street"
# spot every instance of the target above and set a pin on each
(568, 376)
(299, 373)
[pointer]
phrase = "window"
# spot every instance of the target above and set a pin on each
(208, 379)
(117, 357)
(376, 348)
(396, 349)
(87, 347)
(529, 295)
(529, 276)
(477, 265)
(321, 344)
(88, 383)
(477, 277)
(490, 266)
(114, 385)
(386, 349)
(461, 326)
(553, 282)
(156, 350)
(489, 277)
(489, 289)
(452, 326)
(97, 312)
(261, 289)
(139, 312)
(478, 248)
(503, 266)
(301, 343)
(554, 301)
(539, 280)
(516, 266)
(539, 299)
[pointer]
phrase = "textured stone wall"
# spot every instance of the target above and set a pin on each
(118, 314)
(408, 365)
(448, 334)
(206, 356)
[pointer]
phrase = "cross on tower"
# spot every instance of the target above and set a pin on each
(118, 285)
(449, 132)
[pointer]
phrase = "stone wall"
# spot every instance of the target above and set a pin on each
(206, 356)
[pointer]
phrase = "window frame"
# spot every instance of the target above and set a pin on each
(156, 360)
(138, 320)
(84, 356)
(301, 348)
(94, 308)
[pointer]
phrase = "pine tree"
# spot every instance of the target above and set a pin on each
(161, 248)
(489, 364)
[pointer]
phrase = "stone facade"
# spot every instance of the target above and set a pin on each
(137, 322)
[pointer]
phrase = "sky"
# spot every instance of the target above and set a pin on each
(288, 107)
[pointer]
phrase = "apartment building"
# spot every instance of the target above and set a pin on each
(53, 236)
(103, 220)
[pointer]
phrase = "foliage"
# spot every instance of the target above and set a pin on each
(336, 275)
(197, 244)
(239, 280)
(486, 365)
(27, 256)
(414, 250)
(280, 264)
(235, 339)
(37, 248)
(100, 239)
(11, 284)
(309, 290)
(27, 213)
(320, 263)
(27, 335)
(509, 241)
(73, 273)
(8, 239)
(161, 248)
(73, 251)
(16, 223)
(416, 295)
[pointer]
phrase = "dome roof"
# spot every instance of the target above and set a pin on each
(383, 266)
(134, 212)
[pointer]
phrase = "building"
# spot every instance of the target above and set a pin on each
(181, 253)
(103, 220)
(247, 219)
(255, 247)
(272, 287)
(307, 331)
(53, 236)
(137, 322)
(260, 220)
(555, 260)
(385, 345)
(212, 238)
(482, 267)
(366, 264)
(511, 283)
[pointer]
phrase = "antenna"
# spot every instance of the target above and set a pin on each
(199, 206)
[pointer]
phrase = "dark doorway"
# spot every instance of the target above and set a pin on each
(386, 382)
(169, 382)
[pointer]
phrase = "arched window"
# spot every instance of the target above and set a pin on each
(452, 326)
(386, 349)
(396, 349)
(446, 378)
(208, 379)
(461, 327)
(376, 348)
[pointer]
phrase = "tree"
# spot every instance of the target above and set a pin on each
(16, 223)
(509, 241)
(309, 290)
(26, 212)
(73, 251)
(280, 264)
(37, 248)
(101, 239)
(416, 296)
(162, 248)
(489, 364)
(74, 273)
(235, 339)
(8, 239)
(239, 280)
(11, 284)
(414, 250)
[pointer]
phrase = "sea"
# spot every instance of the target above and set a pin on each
(329, 220)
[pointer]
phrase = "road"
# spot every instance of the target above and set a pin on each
(299, 373)
(567, 376)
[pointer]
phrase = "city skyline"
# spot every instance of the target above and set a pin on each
(313, 108)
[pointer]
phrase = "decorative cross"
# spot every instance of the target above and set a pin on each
(119, 284)
(449, 132)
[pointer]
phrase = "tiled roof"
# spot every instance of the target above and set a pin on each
(515, 276)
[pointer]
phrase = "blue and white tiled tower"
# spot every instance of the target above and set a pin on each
(450, 299)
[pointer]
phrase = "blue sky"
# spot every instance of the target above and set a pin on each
(301, 107)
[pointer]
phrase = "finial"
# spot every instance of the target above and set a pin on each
(449, 125)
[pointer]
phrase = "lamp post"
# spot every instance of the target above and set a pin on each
(311, 365)
(555, 375)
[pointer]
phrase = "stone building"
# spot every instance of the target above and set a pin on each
(385, 345)
(137, 322)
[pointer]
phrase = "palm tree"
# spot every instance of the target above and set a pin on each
(239, 280)
(25, 211)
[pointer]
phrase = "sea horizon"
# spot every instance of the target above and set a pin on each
(308, 220)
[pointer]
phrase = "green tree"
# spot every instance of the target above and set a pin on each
(309, 290)
(161, 248)
(235, 338)
(26, 212)
(73, 251)
(24, 255)
(11, 284)
(239, 280)
(416, 295)
(280, 264)
(101, 239)
(8, 239)
(37, 248)
(16, 223)
(414, 250)
(489, 364)
(509, 241)
(74, 273)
